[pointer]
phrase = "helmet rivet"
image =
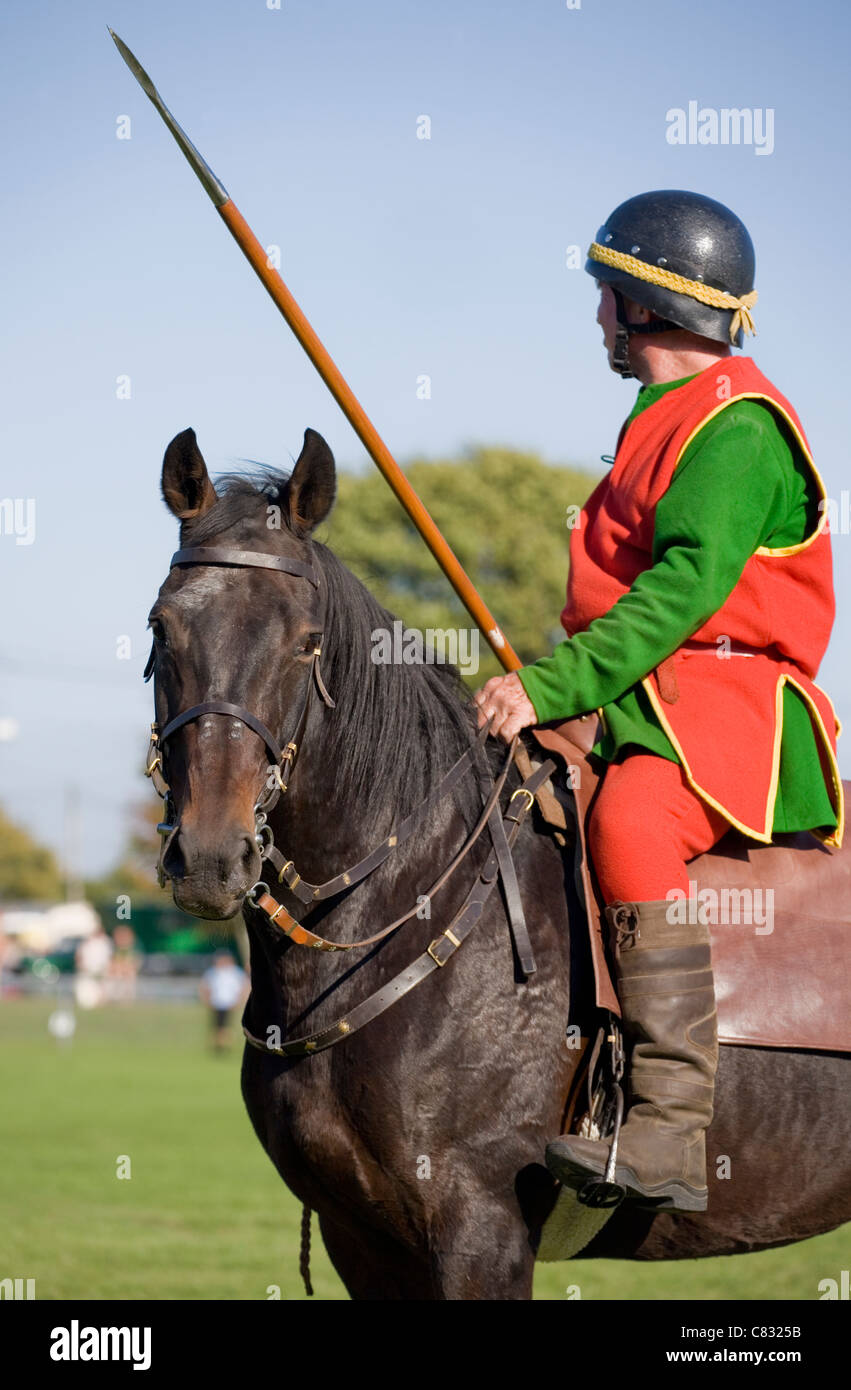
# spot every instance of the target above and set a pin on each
(634, 250)
(608, 236)
(698, 277)
(663, 260)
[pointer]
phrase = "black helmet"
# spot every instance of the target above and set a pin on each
(687, 258)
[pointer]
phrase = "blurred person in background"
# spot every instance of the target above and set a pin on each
(223, 987)
(92, 959)
(125, 964)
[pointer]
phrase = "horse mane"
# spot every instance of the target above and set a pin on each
(397, 728)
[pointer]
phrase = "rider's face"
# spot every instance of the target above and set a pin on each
(607, 316)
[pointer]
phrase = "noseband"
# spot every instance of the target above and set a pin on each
(282, 757)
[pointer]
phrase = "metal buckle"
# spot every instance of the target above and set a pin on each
(430, 952)
(449, 936)
(276, 778)
(263, 839)
(523, 791)
(296, 877)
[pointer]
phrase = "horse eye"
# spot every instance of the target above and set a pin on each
(156, 626)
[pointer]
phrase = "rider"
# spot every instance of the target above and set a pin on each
(699, 606)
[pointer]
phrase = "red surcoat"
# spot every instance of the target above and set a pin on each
(719, 696)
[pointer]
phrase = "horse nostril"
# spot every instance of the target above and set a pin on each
(249, 851)
(173, 860)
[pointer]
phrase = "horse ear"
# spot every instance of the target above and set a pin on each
(312, 485)
(186, 485)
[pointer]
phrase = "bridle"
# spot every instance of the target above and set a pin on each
(282, 754)
(503, 829)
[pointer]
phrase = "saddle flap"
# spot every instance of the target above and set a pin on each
(781, 940)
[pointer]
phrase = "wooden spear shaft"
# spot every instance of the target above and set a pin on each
(331, 375)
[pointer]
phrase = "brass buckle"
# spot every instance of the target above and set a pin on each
(523, 791)
(430, 952)
(296, 877)
(450, 936)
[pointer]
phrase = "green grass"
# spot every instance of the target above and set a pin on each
(204, 1215)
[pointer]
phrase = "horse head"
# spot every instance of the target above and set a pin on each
(237, 629)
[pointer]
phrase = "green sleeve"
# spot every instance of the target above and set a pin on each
(726, 498)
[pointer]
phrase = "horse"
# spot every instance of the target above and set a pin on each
(419, 1140)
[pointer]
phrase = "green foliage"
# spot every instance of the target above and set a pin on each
(28, 871)
(136, 871)
(503, 512)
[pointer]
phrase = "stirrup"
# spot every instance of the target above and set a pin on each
(606, 1101)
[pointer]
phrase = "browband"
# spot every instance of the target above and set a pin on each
(250, 559)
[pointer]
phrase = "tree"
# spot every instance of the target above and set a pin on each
(504, 513)
(28, 871)
(136, 871)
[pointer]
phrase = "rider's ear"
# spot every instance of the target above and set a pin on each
(186, 485)
(312, 485)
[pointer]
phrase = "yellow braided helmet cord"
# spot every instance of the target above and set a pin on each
(656, 275)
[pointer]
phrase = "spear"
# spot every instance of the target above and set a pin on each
(330, 373)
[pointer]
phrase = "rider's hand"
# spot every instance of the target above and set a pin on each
(505, 698)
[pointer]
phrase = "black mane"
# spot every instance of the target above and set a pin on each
(397, 728)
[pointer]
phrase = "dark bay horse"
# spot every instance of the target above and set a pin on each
(419, 1141)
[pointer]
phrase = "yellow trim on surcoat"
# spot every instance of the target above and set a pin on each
(761, 396)
(765, 834)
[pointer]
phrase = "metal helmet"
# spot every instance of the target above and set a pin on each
(682, 255)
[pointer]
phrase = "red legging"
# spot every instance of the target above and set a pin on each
(645, 824)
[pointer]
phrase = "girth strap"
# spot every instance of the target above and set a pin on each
(433, 958)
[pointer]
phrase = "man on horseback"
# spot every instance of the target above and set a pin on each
(699, 606)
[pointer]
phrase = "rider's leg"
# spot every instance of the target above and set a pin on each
(646, 824)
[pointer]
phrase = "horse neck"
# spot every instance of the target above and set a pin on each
(324, 832)
(325, 828)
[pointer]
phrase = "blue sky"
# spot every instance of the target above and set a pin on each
(444, 256)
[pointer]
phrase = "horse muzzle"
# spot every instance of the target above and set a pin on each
(210, 873)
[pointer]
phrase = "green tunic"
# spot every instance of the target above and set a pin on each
(741, 484)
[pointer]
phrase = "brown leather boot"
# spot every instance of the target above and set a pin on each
(665, 986)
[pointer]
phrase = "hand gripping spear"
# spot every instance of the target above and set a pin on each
(330, 373)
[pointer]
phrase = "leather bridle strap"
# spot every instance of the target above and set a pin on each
(433, 958)
(301, 936)
(236, 712)
(508, 875)
(246, 717)
(249, 559)
(309, 893)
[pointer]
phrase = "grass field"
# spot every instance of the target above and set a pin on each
(204, 1215)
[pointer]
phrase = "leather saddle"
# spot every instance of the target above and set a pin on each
(779, 916)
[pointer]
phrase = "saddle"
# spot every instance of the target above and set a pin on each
(779, 916)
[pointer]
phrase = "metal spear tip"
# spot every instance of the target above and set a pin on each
(135, 67)
(215, 188)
